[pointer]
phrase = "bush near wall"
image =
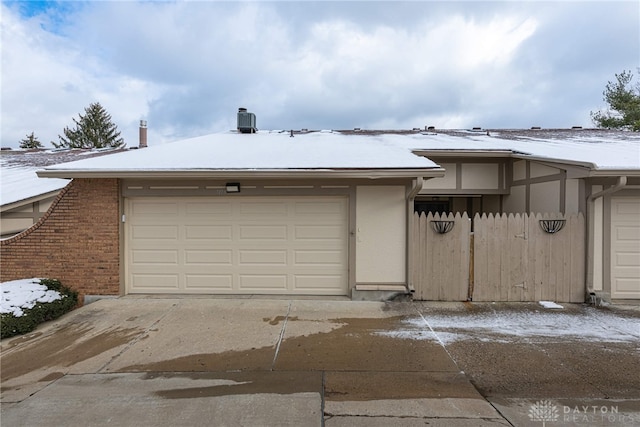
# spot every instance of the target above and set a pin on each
(11, 325)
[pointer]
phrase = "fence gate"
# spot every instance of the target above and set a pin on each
(506, 258)
(441, 257)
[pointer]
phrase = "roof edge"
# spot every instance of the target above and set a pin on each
(377, 173)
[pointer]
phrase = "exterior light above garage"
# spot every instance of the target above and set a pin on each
(232, 187)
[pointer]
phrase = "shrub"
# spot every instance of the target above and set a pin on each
(11, 325)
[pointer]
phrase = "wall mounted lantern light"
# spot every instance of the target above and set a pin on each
(232, 187)
(442, 227)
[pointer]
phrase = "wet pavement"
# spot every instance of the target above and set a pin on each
(195, 361)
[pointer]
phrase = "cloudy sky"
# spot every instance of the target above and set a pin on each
(186, 66)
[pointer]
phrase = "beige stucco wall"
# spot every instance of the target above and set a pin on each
(545, 197)
(19, 219)
(381, 234)
(10, 226)
(491, 204)
(572, 196)
(480, 176)
(516, 201)
(537, 170)
(448, 181)
(519, 170)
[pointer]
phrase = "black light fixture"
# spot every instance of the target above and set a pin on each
(232, 187)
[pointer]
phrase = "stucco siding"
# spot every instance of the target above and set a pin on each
(538, 170)
(545, 197)
(519, 170)
(516, 201)
(448, 181)
(572, 196)
(480, 176)
(380, 234)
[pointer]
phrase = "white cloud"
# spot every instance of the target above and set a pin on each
(187, 66)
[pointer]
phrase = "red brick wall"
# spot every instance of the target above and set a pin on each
(76, 241)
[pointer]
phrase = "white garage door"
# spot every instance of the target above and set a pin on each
(625, 248)
(237, 245)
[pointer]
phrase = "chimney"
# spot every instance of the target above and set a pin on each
(143, 134)
(246, 121)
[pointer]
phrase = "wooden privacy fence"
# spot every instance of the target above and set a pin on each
(506, 258)
(441, 261)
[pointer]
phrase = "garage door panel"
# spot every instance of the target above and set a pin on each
(319, 283)
(155, 208)
(628, 234)
(278, 209)
(262, 257)
(317, 232)
(208, 208)
(164, 257)
(625, 248)
(626, 285)
(316, 257)
(209, 282)
(237, 244)
(262, 282)
(313, 207)
(152, 282)
(154, 232)
(263, 232)
(627, 259)
(210, 232)
(208, 257)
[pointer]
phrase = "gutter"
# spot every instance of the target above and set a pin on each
(417, 187)
(622, 183)
(378, 173)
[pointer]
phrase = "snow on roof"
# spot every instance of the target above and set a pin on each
(599, 149)
(277, 150)
(18, 179)
(262, 150)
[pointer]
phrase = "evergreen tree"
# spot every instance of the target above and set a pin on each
(93, 130)
(30, 142)
(624, 104)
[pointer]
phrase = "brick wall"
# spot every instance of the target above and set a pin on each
(76, 241)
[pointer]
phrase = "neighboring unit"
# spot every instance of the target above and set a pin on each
(24, 198)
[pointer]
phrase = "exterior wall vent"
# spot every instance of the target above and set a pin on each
(246, 121)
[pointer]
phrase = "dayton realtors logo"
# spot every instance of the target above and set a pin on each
(546, 411)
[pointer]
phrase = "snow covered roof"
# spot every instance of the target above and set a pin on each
(598, 149)
(18, 179)
(265, 151)
(261, 152)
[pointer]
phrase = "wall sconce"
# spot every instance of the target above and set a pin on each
(232, 187)
(552, 226)
(442, 227)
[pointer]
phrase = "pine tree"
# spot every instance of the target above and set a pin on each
(93, 130)
(624, 104)
(30, 142)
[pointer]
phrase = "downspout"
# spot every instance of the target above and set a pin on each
(622, 182)
(417, 187)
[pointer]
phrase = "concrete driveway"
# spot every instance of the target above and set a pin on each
(208, 361)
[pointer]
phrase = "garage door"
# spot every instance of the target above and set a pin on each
(625, 248)
(237, 245)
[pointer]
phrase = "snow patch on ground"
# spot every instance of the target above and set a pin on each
(19, 295)
(509, 326)
(549, 304)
